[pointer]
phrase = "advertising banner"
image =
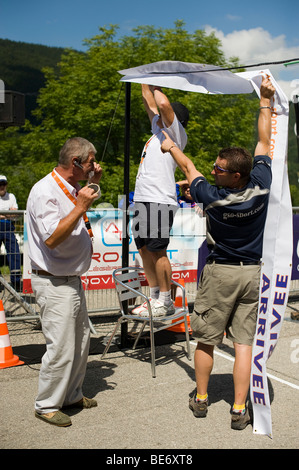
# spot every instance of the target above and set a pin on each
(187, 235)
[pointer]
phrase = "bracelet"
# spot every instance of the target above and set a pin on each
(171, 148)
(265, 107)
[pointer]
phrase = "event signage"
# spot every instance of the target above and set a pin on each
(276, 260)
(187, 235)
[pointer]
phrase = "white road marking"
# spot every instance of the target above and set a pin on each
(229, 358)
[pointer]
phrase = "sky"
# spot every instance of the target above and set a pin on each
(255, 31)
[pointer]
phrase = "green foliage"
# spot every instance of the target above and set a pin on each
(294, 195)
(83, 96)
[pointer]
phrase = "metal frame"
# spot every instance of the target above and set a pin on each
(128, 286)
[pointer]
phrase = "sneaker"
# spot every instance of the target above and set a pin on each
(199, 408)
(161, 310)
(142, 309)
(240, 420)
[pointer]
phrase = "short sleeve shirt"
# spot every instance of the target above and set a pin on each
(155, 180)
(46, 206)
(236, 217)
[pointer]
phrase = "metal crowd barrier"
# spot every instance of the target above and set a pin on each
(15, 303)
(22, 306)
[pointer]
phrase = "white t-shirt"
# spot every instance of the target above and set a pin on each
(46, 206)
(7, 202)
(155, 180)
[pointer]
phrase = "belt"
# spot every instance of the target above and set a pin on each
(233, 263)
(40, 272)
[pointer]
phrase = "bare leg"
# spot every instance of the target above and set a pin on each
(241, 372)
(149, 267)
(157, 268)
(163, 270)
(203, 363)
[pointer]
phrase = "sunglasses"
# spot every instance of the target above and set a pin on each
(218, 169)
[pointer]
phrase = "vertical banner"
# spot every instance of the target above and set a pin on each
(276, 261)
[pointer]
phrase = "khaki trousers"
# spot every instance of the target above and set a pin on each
(66, 330)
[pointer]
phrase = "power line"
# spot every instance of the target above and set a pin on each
(285, 62)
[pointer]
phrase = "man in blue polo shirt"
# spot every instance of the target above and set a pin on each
(228, 289)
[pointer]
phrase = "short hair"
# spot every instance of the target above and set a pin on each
(75, 147)
(181, 112)
(238, 160)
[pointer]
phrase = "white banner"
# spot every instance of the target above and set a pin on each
(276, 262)
(187, 76)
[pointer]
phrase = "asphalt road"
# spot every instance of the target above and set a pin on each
(137, 412)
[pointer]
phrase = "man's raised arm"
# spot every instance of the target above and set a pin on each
(264, 120)
(184, 163)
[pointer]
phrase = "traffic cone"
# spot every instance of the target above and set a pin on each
(179, 303)
(7, 358)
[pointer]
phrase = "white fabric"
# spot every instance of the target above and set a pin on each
(277, 259)
(46, 205)
(8, 202)
(199, 78)
(155, 180)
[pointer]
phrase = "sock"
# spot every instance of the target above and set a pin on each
(165, 297)
(201, 397)
(239, 408)
(154, 292)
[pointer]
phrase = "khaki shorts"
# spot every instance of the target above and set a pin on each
(227, 300)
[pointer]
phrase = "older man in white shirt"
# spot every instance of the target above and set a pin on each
(60, 250)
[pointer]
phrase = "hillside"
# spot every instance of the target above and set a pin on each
(21, 67)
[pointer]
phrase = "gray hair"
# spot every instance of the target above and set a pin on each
(75, 147)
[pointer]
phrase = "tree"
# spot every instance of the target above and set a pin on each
(84, 96)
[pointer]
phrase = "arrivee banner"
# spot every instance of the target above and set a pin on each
(276, 260)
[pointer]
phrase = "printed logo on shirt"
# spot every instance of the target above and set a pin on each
(239, 215)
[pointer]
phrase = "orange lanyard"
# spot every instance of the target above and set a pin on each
(74, 201)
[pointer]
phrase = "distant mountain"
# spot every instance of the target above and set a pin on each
(21, 67)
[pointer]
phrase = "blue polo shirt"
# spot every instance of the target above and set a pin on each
(236, 217)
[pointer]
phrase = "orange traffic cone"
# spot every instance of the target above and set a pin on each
(7, 358)
(179, 303)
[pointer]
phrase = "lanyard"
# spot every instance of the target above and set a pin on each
(74, 201)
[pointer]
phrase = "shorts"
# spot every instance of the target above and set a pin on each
(151, 225)
(227, 300)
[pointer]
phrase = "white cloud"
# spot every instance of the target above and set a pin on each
(256, 45)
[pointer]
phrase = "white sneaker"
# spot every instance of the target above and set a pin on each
(161, 310)
(142, 309)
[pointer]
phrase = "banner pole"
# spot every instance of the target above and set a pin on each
(125, 235)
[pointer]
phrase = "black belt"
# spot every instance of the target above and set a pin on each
(233, 263)
(40, 272)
